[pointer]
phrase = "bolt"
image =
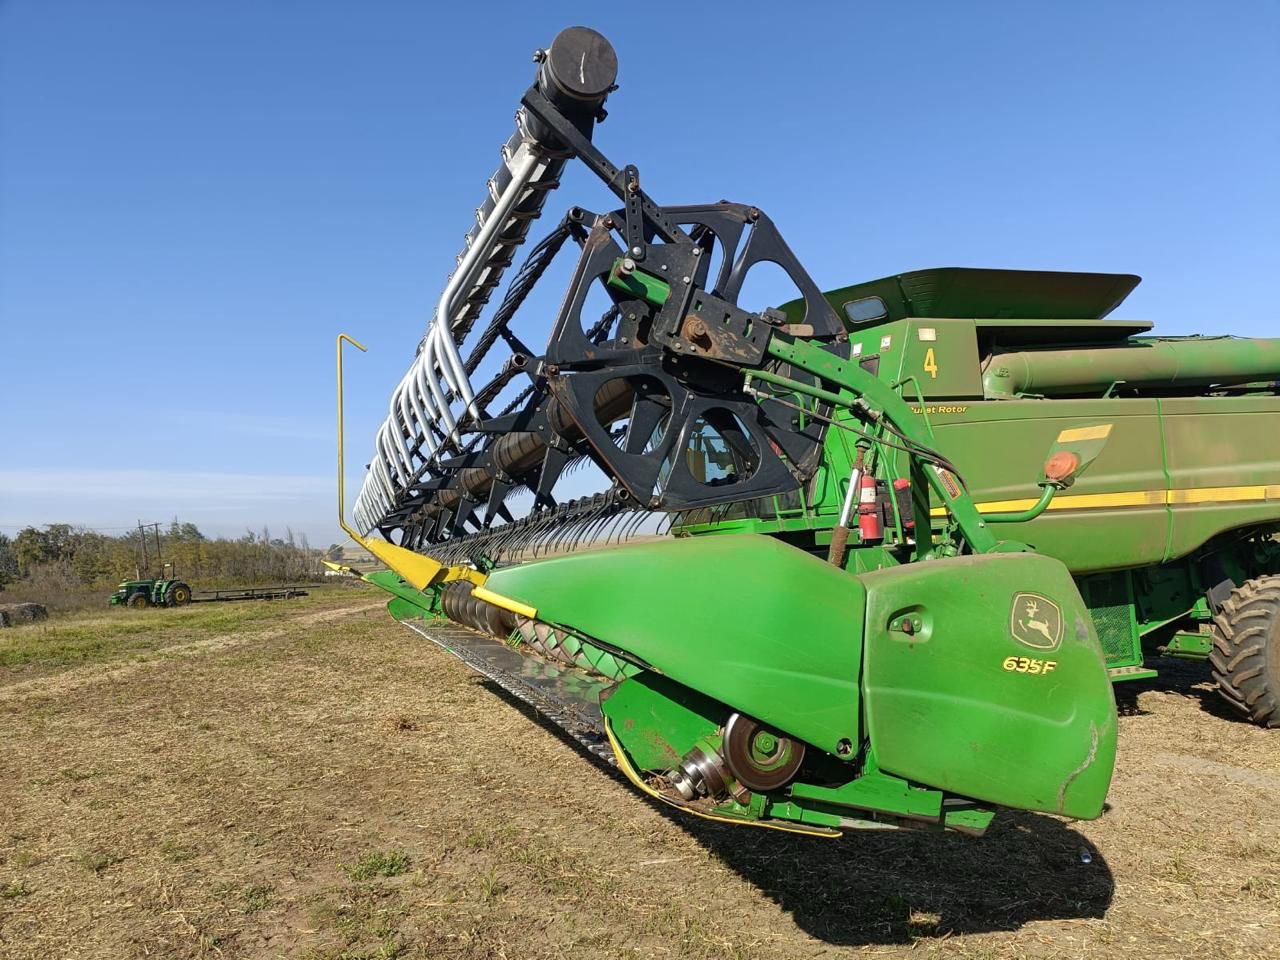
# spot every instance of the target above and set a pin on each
(694, 327)
(664, 266)
(685, 279)
(697, 251)
(766, 743)
(636, 251)
(628, 266)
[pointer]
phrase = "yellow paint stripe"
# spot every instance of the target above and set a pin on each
(1101, 501)
(1225, 494)
(1136, 498)
(506, 603)
(1100, 432)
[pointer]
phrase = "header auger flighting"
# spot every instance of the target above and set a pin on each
(752, 678)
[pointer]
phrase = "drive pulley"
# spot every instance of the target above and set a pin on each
(760, 758)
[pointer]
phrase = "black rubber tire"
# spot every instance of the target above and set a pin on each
(178, 594)
(1246, 650)
(138, 602)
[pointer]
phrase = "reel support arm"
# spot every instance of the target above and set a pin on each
(874, 400)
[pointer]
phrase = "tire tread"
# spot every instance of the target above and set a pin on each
(1247, 626)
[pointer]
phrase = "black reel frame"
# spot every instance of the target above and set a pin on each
(663, 370)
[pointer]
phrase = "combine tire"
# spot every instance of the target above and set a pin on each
(138, 601)
(178, 595)
(1246, 650)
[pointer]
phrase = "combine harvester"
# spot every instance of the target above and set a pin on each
(844, 623)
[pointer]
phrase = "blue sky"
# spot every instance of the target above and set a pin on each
(196, 197)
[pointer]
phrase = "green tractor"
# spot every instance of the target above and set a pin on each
(140, 594)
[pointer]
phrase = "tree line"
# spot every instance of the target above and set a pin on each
(94, 559)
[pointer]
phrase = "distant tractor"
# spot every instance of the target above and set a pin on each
(163, 591)
(151, 593)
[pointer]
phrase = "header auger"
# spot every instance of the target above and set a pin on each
(896, 673)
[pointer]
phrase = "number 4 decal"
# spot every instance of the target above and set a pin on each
(931, 364)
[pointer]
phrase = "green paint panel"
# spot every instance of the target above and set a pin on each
(966, 706)
(766, 629)
(658, 721)
(747, 620)
(408, 602)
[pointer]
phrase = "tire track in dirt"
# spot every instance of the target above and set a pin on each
(75, 678)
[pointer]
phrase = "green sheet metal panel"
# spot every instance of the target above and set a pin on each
(1003, 695)
(940, 357)
(1114, 516)
(1224, 466)
(747, 620)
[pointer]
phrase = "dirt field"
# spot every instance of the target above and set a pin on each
(312, 780)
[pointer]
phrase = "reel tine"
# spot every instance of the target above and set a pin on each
(641, 517)
(563, 532)
(618, 525)
(593, 524)
(670, 521)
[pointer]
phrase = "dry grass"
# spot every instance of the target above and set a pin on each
(324, 785)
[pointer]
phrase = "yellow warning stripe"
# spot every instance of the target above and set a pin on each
(1100, 432)
(1137, 498)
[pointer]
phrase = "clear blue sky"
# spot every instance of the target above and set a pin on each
(196, 197)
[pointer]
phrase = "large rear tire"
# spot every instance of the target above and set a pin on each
(1246, 650)
(178, 595)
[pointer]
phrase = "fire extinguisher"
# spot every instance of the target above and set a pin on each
(870, 527)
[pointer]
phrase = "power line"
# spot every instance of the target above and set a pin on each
(79, 527)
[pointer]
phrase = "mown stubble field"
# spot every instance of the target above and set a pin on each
(310, 779)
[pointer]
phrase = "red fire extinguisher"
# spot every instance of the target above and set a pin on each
(870, 527)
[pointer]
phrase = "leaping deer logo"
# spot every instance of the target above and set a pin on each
(1036, 621)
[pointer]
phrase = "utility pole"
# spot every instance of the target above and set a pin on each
(142, 540)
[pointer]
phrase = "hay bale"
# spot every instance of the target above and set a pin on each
(13, 614)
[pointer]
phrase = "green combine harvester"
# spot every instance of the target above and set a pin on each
(863, 560)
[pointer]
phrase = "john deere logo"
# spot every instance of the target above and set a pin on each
(1036, 621)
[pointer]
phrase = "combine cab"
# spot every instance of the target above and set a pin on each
(874, 646)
